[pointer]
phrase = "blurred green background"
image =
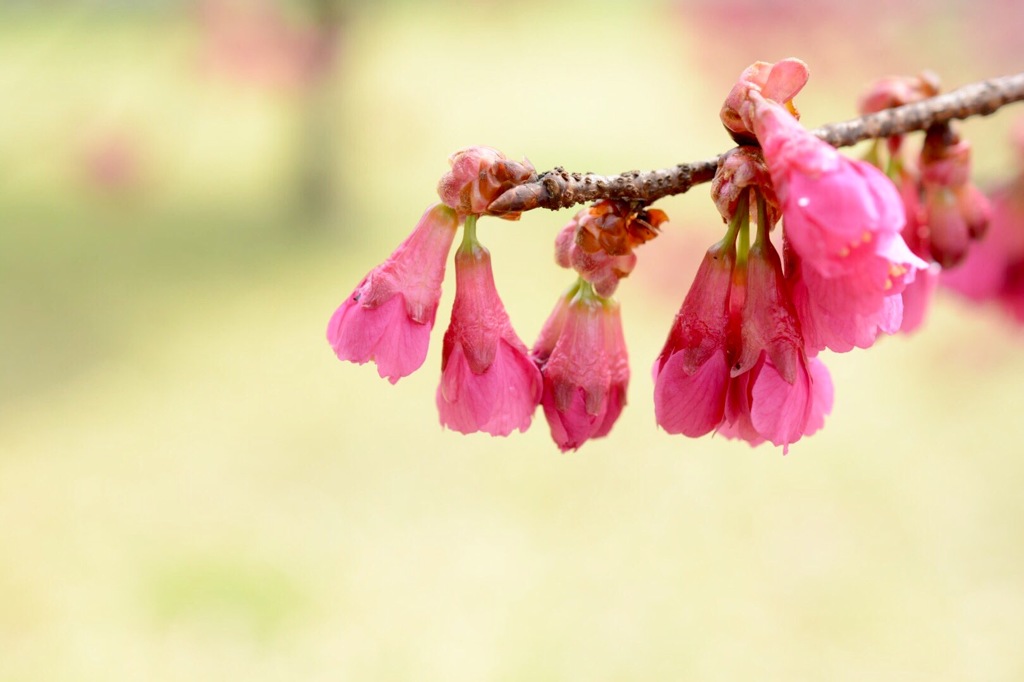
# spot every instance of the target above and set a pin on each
(192, 487)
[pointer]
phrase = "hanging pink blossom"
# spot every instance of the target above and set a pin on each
(692, 372)
(389, 316)
(734, 361)
(842, 220)
(581, 353)
(488, 381)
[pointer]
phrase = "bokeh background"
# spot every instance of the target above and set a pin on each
(192, 487)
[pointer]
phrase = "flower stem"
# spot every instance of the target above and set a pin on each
(470, 244)
(738, 234)
(762, 222)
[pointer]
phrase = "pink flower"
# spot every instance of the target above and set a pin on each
(488, 382)
(848, 311)
(786, 395)
(692, 371)
(581, 353)
(779, 81)
(734, 360)
(842, 221)
(389, 316)
(763, 406)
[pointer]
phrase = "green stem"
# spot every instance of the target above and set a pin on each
(762, 222)
(743, 242)
(469, 240)
(739, 219)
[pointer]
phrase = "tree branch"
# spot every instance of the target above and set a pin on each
(556, 189)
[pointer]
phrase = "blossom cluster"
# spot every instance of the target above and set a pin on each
(993, 268)
(944, 211)
(822, 252)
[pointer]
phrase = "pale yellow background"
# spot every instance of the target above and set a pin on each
(192, 487)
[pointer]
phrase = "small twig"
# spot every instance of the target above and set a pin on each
(557, 188)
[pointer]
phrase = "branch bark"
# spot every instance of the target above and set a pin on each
(556, 189)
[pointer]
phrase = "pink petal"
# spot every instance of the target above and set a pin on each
(498, 401)
(384, 334)
(779, 410)
(691, 404)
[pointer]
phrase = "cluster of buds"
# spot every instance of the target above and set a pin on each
(743, 355)
(944, 211)
(993, 269)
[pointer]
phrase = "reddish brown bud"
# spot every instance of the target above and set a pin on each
(479, 175)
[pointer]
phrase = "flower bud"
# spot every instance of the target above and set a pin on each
(478, 176)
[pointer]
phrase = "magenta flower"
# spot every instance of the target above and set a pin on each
(842, 221)
(389, 316)
(488, 381)
(763, 406)
(581, 353)
(779, 81)
(692, 372)
(734, 361)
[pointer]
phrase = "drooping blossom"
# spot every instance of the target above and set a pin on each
(581, 350)
(389, 316)
(842, 220)
(581, 353)
(785, 393)
(488, 381)
(734, 361)
(691, 373)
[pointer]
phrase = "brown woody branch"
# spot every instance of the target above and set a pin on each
(557, 188)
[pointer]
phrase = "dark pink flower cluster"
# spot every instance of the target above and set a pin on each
(740, 358)
(578, 369)
(488, 381)
(735, 360)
